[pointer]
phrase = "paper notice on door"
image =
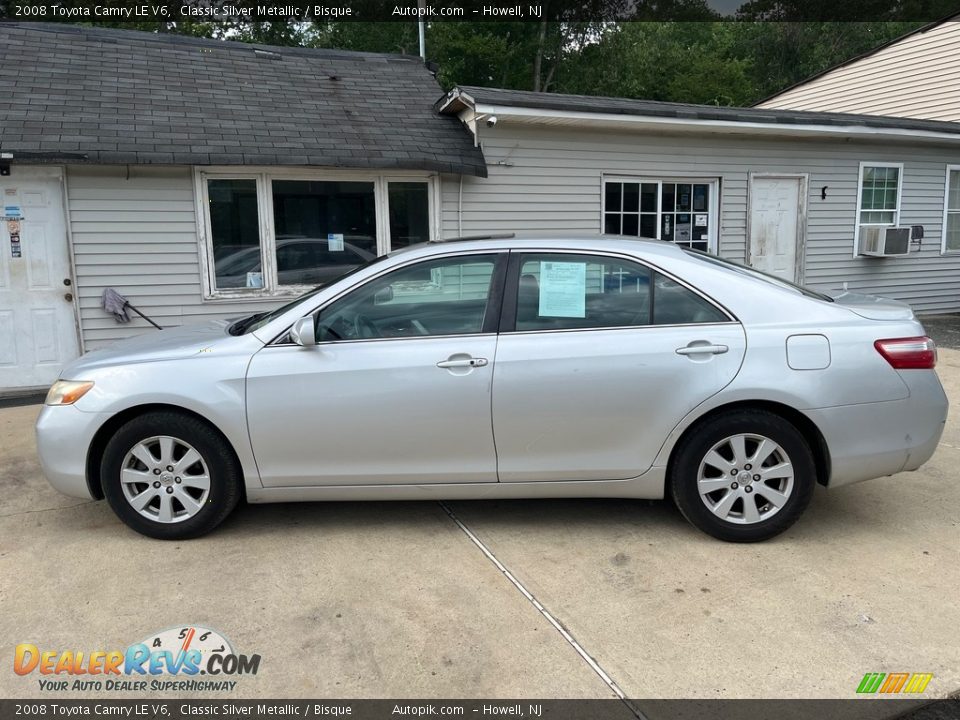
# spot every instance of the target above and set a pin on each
(335, 242)
(700, 220)
(254, 280)
(563, 289)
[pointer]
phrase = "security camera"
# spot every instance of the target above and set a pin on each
(491, 121)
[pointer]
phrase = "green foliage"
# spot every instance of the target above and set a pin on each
(698, 59)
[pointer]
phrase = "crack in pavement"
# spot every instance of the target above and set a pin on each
(560, 627)
(41, 510)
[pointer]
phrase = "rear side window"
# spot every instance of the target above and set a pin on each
(677, 305)
(570, 292)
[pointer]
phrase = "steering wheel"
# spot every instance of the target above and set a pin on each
(364, 327)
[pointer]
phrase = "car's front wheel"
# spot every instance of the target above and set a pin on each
(170, 476)
(743, 475)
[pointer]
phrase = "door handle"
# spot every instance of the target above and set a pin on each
(462, 362)
(702, 350)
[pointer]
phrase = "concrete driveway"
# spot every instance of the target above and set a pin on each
(427, 600)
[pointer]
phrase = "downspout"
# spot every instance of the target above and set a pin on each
(460, 209)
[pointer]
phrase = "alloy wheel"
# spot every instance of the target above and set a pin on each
(745, 479)
(165, 479)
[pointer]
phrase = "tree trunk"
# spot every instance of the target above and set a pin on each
(538, 59)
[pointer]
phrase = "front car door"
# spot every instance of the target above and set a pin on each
(397, 390)
(599, 358)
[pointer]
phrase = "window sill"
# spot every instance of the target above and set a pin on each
(226, 298)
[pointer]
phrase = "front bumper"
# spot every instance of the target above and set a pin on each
(873, 440)
(64, 434)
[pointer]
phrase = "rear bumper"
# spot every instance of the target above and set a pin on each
(873, 440)
(64, 434)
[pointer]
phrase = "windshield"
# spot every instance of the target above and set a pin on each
(758, 274)
(255, 322)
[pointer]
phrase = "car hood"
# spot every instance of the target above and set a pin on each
(170, 343)
(873, 307)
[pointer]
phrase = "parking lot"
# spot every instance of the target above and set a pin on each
(411, 599)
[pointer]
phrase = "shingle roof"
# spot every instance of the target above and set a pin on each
(651, 108)
(79, 94)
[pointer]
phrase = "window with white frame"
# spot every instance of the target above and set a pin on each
(878, 202)
(277, 233)
(681, 211)
(951, 212)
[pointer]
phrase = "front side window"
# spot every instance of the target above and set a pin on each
(320, 229)
(571, 292)
(447, 296)
(951, 232)
(681, 212)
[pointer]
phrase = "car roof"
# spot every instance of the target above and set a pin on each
(585, 243)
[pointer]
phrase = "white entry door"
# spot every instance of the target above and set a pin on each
(776, 224)
(38, 331)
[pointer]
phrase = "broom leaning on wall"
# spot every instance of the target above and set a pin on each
(117, 305)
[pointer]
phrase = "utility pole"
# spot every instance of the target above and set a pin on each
(421, 29)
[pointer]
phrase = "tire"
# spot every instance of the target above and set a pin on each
(186, 502)
(721, 502)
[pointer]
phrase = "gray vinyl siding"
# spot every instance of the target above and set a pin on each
(137, 233)
(136, 230)
(546, 181)
(917, 77)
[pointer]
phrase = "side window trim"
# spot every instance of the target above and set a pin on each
(508, 315)
(498, 283)
(508, 311)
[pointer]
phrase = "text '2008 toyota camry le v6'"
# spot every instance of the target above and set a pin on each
(507, 368)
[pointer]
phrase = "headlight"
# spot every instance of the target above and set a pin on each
(67, 392)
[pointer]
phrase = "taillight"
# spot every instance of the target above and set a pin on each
(912, 353)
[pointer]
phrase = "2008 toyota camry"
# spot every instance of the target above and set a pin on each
(507, 368)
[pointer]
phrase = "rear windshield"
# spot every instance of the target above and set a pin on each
(757, 274)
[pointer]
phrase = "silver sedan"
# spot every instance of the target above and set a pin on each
(507, 368)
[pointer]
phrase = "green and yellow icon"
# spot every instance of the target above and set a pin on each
(891, 683)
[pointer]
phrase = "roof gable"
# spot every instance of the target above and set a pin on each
(79, 94)
(914, 75)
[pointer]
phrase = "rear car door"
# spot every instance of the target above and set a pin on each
(599, 358)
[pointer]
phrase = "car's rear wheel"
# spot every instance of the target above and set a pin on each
(170, 476)
(743, 476)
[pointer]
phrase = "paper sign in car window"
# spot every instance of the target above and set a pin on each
(335, 242)
(563, 289)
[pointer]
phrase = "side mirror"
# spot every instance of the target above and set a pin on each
(384, 295)
(304, 332)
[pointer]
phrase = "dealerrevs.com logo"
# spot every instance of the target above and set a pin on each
(190, 658)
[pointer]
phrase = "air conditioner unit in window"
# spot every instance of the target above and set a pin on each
(885, 241)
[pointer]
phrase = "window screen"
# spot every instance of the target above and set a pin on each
(879, 195)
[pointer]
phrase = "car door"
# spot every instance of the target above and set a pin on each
(397, 389)
(599, 358)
